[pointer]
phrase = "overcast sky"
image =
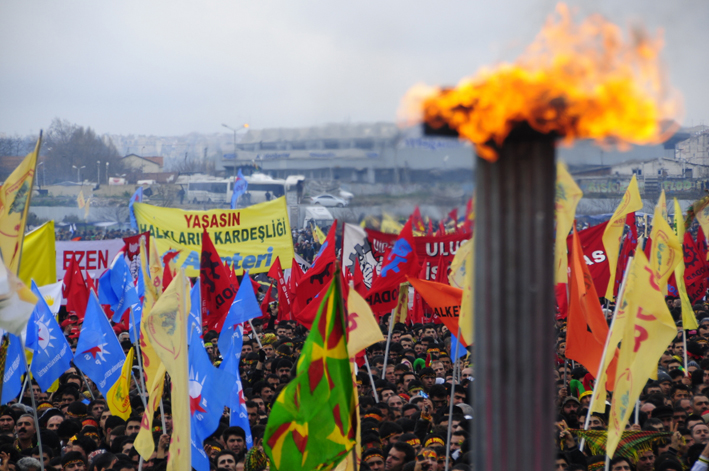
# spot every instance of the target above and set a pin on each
(172, 67)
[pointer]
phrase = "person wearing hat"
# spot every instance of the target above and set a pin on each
(585, 398)
(374, 458)
(428, 378)
(665, 414)
(7, 420)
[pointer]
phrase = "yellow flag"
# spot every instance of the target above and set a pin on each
(689, 320)
(363, 329)
(166, 328)
(155, 269)
(144, 443)
(614, 230)
(38, 256)
(14, 203)
(86, 209)
(80, 200)
(118, 398)
(666, 250)
(390, 225)
(318, 233)
(568, 195)
(649, 328)
(402, 306)
(151, 362)
(462, 276)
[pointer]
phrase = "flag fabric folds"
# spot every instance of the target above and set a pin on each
(362, 327)
(52, 353)
(445, 301)
(118, 399)
(284, 300)
(649, 328)
(16, 302)
(52, 295)
(689, 320)
(75, 290)
(15, 196)
(320, 273)
(217, 290)
(313, 421)
(166, 328)
(666, 248)
(115, 287)
(38, 256)
(244, 308)
(237, 402)
(194, 322)
(144, 443)
(614, 230)
(462, 276)
(14, 369)
(586, 328)
(208, 396)
(568, 195)
(98, 353)
(240, 186)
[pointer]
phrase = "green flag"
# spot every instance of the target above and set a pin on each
(312, 424)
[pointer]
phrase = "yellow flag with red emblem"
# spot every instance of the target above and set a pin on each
(666, 250)
(144, 443)
(362, 327)
(649, 328)
(118, 399)
(614, 230)
(689, 320)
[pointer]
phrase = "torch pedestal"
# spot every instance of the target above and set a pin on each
(514, 306)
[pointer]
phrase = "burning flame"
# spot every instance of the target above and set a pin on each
(576, 80)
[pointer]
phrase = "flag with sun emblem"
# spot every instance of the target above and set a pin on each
(52, 353)
(98, 353)
(312, 425)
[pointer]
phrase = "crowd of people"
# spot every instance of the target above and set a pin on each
(675, 406)
(69, 233)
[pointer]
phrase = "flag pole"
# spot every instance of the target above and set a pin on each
(24, 384)
(450, 408)
(253, 331)
(86, 382)
(34, 406)
(371, 378)
(684, 341)
(26, 211)
(621, 292)
(140, 359)
(386, 350)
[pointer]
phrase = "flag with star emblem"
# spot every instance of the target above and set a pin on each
(208, 396)
(312, 423)
(52, 353)
(14, 369)
(98, 353)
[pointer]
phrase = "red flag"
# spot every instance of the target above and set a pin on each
(429, 232)
(266, 302)
(399, 261)
(454, 216)
(562, 302)
(418, 220)
(586, 328)
(444, 299)
(168, 273)
(216, 288)
(441, 229)
(696, 269)
(284, 304)
(595, 254)
(320, 273)
(90, 283)
(296, 274)
(75, 290)
(306, 316)
(701, 244)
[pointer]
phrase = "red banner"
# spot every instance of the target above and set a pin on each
(595, 255)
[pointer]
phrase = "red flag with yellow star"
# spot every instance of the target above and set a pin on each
(312, 425)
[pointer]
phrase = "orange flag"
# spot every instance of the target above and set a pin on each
(445, 301)
(586, 328)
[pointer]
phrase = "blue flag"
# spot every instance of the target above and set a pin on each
(115, 287)
(200, 460)
(52, 353)
(136, 198)
(14, 369)
(137, 316)
(237, 402)
(194, 320)
(208, 396)
(462, 351)
(244, 308)
(98, 353)
(240, 185)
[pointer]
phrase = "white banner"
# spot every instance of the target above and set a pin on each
(93, 256)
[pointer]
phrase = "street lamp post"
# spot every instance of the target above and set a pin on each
(78, 172)
(106, 173)
(44, 174)
(98, 172)
(243, 126)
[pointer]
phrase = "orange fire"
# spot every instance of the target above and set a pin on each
(575, 80)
